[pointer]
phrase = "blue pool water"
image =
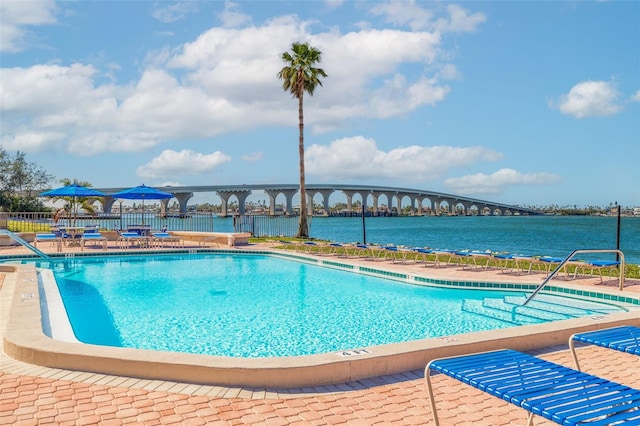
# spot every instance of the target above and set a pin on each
(253, 306)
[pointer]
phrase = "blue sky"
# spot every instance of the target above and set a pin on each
(529, 103)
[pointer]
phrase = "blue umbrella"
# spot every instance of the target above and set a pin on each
(142, 192)
(74, 190)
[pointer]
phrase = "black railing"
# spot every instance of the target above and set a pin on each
(267, 226)
(41, 222)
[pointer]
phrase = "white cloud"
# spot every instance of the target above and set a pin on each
(185, 162)
(359, 158)
(171, 12)
(589, 99)
(17, 16)
(232, 17)
(496, 182)
(253, 157)
(636, 97)
(208, 87)
(460, 20)
(170, 183)
(412, 14)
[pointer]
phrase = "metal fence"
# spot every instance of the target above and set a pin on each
(267, 226)
(258, 226)
(39, 222)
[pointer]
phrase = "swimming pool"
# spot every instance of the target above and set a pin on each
(253, 305)
(25, 339)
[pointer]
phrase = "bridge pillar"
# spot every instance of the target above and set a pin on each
(224, 200)
(349, 195)
(374, 204)
(107, 203)
(438, 206)
(272, 201)
(419, 207)
(399, 203)
(389, 200)
(224, 197)
(325, 200)
(273, 194)
(182, 198)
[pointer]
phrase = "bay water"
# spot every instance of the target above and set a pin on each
(529, 235)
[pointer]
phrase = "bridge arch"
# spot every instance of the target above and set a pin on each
(420, 200)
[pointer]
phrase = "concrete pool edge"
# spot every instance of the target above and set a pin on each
(24, 340)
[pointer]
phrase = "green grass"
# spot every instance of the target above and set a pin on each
(632, 271)
(20, 226)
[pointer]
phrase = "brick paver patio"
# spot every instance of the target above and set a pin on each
(33, 395)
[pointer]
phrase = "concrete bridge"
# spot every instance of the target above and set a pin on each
(419, 200)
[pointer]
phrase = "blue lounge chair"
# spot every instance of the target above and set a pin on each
(557, 393)
(163, 238)
(598, 265)
(337, 249)
(127, 239)
(51, 238)
(625, 339)
(93, 238)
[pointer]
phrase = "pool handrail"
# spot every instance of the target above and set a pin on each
(567, 259)
(26, 244)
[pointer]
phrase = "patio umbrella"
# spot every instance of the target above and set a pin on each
(142, 192)
(74, 190)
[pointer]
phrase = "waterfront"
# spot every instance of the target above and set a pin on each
(531, 235)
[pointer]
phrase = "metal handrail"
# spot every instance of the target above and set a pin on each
(567, 259)
(26, 244)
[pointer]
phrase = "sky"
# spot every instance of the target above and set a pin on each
(530, 103)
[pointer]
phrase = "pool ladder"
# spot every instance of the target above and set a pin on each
(567, 259)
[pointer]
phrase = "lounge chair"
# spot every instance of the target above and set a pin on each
(598, 265)
(426, 255)
(164, 238)
(625, 339)
(447, 255)
(396, 254)
(521, 262)
(93, 238)
(557, 393)
(550, 263)
(127, 239)
(50, 238)
(337, 249)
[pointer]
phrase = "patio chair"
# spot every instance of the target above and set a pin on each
(50, 238)
(597, 265)
(337, 249)
(127, 239)
(395, 254)
(625, 339)
(93, 238)
(164, 238)
(426, 256)
(557, 393)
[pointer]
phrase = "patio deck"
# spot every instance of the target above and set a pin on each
(31, 394)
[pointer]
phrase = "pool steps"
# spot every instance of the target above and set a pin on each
(544, 308)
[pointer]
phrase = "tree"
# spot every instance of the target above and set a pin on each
(299, 76)
(20, 183)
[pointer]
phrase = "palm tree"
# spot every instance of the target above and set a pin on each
(299, 76)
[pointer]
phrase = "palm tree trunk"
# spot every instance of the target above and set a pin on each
(303, 228)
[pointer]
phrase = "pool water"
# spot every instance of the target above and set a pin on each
(253, 306)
